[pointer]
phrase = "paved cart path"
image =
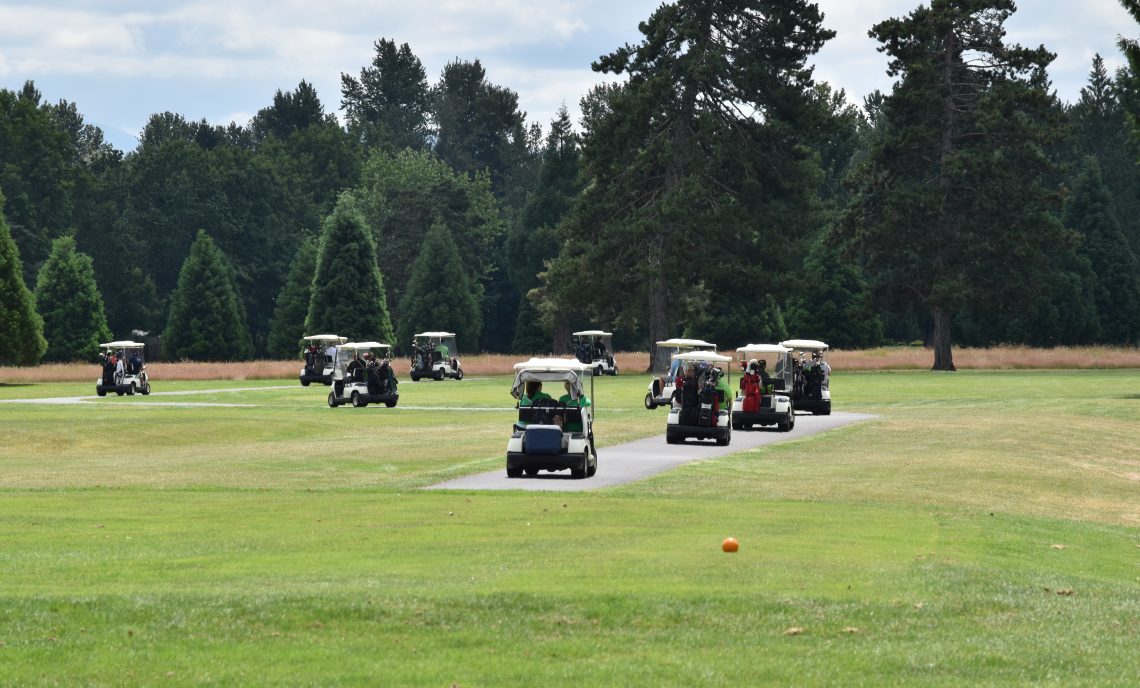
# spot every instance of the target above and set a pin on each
(626, 463)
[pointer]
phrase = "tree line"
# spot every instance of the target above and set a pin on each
(712, 189)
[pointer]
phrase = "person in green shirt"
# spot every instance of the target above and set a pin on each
(533, 394)
(581, 402)
(443, 352)
(722, 387)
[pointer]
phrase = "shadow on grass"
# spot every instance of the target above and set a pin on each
(17, 384)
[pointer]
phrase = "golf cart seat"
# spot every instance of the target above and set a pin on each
(544, 415)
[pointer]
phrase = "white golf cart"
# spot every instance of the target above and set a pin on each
(661, 388)
(552, 435)
(433, 356)
(756, 404)
(811, 387)
(124, 371)
(363, 375)
(319, 353)
(595, 349)
(700, 407)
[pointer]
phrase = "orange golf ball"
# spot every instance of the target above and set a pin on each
(730, 544)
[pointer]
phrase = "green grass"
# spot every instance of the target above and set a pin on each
(285, 543)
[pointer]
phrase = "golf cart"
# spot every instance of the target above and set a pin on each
(758, 404)
(700, 406)
(124, 371)
(552, 435)
(811, 388)
(433, 356)
(595, 349)
(363, 375)
(319, 353)
(661, 388)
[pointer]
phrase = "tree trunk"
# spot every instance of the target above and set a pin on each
(561, 344)
(943, 355)
(658, 324)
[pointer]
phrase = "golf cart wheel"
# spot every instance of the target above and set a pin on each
(530, 471)
(304, 383)
(332, 400)
(579, 473)
(146, 389)
(598, 371)
(613, 371)
(649, 403)
(737, 425)
(591, 470)
(438, 375)
(101, 392)
(671, 439)
(785, 425)
(357, 401)
(723, 441)
(391, 403)
(415, 378)
(119, 393)
(131, 390)
(514, 472)
(459, 374)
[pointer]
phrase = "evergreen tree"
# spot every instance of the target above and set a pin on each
(439, 295)
(207, 321)
(403, 194)
(389, 106)
(534, 240)
(348, 287)
(953, 205)
(21, 327)
(1116, 275)
(1101, 129)
(288, 325)
(69, 301)
(834, 303)
(1131, 49)
(696, 162)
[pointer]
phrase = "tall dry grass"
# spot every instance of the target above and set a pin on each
(887, 358)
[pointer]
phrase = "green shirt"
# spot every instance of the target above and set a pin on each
(581, 402)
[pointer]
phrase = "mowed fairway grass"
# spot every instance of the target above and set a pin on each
(984, 529)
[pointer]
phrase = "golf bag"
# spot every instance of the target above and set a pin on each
(690, 401)
(750, 386)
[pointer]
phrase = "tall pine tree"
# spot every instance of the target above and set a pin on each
(288, 325)
(695, 163)
(21, 327)
(1116, 275)
(207, 321)
(953, 205)
(439, 295)
(71, 305)
(348, 288)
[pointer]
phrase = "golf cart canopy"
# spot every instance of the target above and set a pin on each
(326, 338)
(752, 349)
(805, 344)
(435, 335)
(593, 333)
(680, 343)
(125, 344)
(550, 370)
(365, 346)
(701, 357)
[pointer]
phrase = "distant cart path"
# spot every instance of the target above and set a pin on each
(626, 463)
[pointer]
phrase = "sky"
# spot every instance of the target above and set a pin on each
(223, 60)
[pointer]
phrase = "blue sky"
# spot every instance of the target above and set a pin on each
(122, 61)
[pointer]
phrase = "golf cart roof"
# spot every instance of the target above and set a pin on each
(593, 333)
(763, 349)
(435, 334)
(326, 338)
(124, 344)
(805, 344)
(699, 356)
(550, 370)
(682, 343)
(360, 346)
